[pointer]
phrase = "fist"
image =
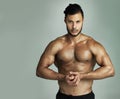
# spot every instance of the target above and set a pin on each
(73, 78)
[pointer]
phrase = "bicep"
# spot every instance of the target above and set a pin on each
(46, 60)
(48, 56)
(102, 58)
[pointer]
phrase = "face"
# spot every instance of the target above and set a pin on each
(74, 24)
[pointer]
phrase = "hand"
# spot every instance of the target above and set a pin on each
(73, 78)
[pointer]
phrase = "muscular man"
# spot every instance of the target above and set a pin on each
(75, 55)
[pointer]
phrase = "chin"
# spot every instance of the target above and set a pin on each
(74, 34)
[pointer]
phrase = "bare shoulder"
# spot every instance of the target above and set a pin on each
(60, 39)
(95, 46)
(57, 43)
(88, 39)
(91, 42)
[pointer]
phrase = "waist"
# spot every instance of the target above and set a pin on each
(90, 94)
(84, 87)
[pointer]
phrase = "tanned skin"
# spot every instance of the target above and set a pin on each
(75, 55)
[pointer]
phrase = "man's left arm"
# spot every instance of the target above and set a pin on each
(106, 68)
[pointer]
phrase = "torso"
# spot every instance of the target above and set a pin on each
(75, 57)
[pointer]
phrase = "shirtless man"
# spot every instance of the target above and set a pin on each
(75, 55)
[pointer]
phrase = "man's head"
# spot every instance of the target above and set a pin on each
(74, 19)
(72, 9)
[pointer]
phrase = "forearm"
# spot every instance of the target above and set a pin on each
(49, 74)
(100, 73)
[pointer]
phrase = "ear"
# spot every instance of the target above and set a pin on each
(82, 19)
(65, 20)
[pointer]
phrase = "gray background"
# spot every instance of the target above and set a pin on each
(27, 26)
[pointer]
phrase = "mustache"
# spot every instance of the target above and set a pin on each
(74, 29)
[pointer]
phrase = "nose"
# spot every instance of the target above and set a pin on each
(74, 25)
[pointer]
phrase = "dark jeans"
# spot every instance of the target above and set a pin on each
(64, 96)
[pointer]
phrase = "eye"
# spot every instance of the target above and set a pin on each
(78, 21)
(69, 21)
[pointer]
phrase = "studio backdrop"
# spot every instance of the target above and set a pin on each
(27, 26)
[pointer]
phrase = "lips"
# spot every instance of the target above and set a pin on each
(74, 31)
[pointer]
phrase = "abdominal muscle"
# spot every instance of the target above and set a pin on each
(84, 87)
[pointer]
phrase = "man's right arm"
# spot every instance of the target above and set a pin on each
(46, 60)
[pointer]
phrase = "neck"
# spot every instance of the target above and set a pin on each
(75, 39)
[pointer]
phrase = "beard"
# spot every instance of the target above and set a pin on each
(74, 30)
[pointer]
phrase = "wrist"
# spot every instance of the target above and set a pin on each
(83, 75)
(60, 77)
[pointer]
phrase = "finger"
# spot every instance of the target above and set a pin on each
(67, 77)
(71, 77)
(77, 81)
(73, 73)
(70, 80)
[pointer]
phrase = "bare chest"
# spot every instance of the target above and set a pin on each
(79, 53)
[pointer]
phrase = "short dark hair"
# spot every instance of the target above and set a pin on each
(73, 9)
